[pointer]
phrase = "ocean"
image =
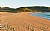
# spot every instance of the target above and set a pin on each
(45, 15)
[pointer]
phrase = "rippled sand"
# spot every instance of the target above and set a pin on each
(24, 21)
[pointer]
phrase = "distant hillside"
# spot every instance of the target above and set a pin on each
(26, 9)
(33, 9)
(7, 9)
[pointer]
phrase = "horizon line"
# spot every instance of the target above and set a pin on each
(21, 6)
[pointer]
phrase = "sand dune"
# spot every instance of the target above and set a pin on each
(23, 22)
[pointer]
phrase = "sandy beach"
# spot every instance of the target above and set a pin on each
(24, 21)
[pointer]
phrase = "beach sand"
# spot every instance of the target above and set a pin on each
(24, 21)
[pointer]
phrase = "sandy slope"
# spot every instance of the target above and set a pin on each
(24, 22)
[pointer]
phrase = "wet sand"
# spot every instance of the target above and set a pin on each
(24, 21)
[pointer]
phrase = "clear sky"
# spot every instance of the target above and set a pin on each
(23, 3)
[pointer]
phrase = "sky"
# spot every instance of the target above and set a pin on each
(23, 3)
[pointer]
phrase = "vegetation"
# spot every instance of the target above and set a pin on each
(34, 9)
(26, 9)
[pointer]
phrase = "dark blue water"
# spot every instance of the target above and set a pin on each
(43, 15)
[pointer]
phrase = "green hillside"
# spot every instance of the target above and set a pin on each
(33, 9)
(26, 9)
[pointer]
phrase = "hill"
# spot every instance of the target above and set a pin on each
(26, 9)
(33, 9)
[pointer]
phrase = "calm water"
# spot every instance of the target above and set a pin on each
(43, 15)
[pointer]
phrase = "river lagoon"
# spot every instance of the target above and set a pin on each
(43, 15)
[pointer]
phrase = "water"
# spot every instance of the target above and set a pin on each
(43, 15)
